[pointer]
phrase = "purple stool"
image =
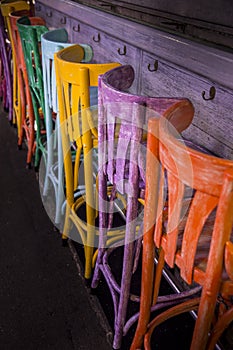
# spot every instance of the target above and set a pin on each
(122, 134)
(6, 81)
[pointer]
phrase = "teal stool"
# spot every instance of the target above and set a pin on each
(51, 42)
(31, 41)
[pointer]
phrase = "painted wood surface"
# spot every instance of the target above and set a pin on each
(185, 68)
(54, 18)
(207, 61)
(208, 21)
(212, 117)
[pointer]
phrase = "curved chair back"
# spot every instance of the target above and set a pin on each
(74, 82)
(113, 95)
(31, 43)
(51, 42)
(193, 233)
(7, 7)
(122, 130)
(21, 95)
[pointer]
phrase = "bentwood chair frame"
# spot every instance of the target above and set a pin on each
(74, 80)
(7, 7)
(192, 235)
(122, 130)
(30, 35)
(51, 42)
(18, 66)
(24, 105)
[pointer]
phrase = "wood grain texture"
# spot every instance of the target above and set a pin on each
(212, 126)
(205, 21)
(54, 19)
(185, 68)
(205, 60)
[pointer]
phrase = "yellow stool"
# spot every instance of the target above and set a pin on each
(74, 80)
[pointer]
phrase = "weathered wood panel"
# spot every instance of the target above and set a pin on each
(185, 68)
(106, 48)
(212, 126)
(54, 19)
(216, 11)
(204, 20)
(210, 62)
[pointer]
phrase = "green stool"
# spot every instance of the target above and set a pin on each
(31, 43)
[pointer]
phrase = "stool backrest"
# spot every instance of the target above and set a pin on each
(9, 6)
(76, 84)
(208, 179)
(16, 40)
(189, 218)
(119, 108)
(51, 42)
(31, 43)
(74, 80)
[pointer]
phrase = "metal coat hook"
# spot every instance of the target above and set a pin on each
(122, 53)
(155, 66)
(212, 93)
(96, 39)
(63, 20)
(76, 28)
(49, 14)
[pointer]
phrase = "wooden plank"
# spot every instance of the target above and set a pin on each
(107, 48)
(210, 62)
(185, 68)
(213, 118)
(212, 24)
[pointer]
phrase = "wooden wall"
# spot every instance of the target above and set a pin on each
(165, 64)
(205, 20)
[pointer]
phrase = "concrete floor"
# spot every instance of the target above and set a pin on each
(44, 303)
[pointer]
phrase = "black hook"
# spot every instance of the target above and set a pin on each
(212, 93)
(122, 53)
(76, 28)
(98, 38)
(155, 68)
(63, 20)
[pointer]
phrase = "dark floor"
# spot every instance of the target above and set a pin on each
(44, 301)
